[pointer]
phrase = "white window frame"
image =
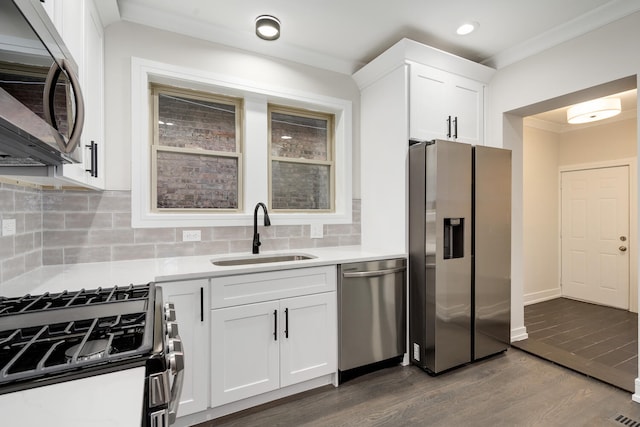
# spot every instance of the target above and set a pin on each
(156, 146)
(328, 162)
(256, 97)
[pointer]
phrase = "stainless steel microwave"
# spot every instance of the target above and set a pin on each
(41, 106)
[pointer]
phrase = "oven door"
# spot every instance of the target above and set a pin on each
(109, 400)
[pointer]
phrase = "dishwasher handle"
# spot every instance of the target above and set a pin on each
(374, 273)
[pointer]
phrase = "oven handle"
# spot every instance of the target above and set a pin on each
(176, 363)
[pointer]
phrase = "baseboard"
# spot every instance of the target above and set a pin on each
(636, 396)
(541, 296)
(519, 334)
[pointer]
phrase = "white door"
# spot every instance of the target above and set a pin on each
(594, 236)
(192, 326)
(309, 344)
(245, 357)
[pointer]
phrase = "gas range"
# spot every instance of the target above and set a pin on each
(55, 338)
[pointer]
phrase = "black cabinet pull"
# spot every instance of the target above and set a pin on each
(455, 128)
(93, 147)
(449, 127)
(286, 323)
(275, 325)
(201, 304)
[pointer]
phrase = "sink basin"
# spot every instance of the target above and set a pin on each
(260, 259)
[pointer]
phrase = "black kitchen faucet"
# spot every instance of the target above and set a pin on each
(267, 222)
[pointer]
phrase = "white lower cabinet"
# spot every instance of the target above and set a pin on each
(245, 357)
(309, 347)
(188, 298)
(264, 346)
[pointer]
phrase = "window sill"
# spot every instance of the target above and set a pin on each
(152, 220)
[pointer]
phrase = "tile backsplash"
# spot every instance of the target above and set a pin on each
(76, 226)
(22, 251)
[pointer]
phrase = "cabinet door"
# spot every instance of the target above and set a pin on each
(445, 106)
(467, 106)
(244, 351)
(188, 298)
(80, 26)
(308, 347)
(429, 104)
(93, 91)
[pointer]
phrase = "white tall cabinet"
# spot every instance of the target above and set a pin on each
(410, 91)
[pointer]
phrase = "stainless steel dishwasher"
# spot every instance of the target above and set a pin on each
(371, 312)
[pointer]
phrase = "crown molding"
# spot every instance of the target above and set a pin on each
(581, 25)
(244, 40)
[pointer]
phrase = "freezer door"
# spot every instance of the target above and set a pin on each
(492, 251)
(440, 184)
(449, 190)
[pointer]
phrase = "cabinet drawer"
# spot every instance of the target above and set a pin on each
(249, 288)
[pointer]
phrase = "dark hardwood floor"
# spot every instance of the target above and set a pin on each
(511, 389)
(599, 341)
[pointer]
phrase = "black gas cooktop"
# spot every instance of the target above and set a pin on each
(55, 333)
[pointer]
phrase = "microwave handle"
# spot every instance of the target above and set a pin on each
(49, 113)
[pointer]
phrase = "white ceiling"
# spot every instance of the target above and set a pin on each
(343, 35)
(556, 120)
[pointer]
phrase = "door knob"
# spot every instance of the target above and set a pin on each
(623, 248)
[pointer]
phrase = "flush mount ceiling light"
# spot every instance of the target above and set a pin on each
(467, 28)
(267, 27)
(591, 111)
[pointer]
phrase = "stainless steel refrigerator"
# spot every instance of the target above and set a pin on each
(459, 253)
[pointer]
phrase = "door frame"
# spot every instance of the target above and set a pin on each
(631, 163)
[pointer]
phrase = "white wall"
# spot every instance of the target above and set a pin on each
(124, 40)
(545, 152)
(606, 54)
(540, 214)
(609, 141)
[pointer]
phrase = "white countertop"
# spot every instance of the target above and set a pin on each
(56, 278)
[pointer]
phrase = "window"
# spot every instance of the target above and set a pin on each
(328, 170)
(196, 151)
(301, 160)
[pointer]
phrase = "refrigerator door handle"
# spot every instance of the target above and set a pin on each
(373, 273)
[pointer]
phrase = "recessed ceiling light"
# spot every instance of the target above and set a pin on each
(595, 110)
(285, 137)
(267, 27)
(466, 28)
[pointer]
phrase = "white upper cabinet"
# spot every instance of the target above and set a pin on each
(80, 26)
(443, 105)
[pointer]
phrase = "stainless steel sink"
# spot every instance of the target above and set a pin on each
(259, 259)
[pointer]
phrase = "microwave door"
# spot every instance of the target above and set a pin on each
(35, 73)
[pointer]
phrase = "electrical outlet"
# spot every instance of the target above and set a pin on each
(191, 235)
(8, 227)
(317, 231)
